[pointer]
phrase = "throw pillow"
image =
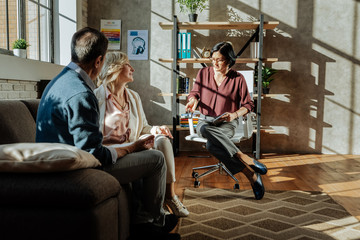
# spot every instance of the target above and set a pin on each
(44, 157)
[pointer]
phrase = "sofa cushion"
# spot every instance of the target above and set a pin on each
(17, 123)
(44, 157)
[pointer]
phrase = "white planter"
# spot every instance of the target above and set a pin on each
(20, 53)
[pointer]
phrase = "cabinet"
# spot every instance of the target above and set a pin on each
(175, 26)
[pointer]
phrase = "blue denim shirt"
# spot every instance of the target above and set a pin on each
(69, 113)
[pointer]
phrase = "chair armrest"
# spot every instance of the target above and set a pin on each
(191, 126)
(248, 122)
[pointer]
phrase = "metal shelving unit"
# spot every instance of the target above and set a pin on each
(175, 26)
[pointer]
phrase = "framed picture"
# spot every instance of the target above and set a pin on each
(138, 44)
(112, 30)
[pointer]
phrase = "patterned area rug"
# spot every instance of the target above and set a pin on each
(235, 214)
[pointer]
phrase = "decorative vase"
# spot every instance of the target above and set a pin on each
(192, 17)
(20, 52)
(266, 90)
(254, 49)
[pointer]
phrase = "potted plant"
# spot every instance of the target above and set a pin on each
(19, 47)
(192, 7)
(267, 73)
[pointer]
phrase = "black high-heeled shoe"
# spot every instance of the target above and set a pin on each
(259, 167)
(258, 187)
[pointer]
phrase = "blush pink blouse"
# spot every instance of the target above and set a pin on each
(116, 122)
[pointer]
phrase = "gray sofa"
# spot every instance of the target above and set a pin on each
(80, 204)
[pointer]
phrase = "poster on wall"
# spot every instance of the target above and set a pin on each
(112, 30)
(138, 44)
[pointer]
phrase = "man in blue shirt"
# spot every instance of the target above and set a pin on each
(69, 113)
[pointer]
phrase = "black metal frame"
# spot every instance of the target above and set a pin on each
(175, 101)
(258, 35)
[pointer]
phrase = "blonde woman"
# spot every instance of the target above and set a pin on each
(122, 119)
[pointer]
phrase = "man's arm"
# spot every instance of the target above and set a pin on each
(82, 113)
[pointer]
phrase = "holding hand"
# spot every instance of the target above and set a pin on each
(143, 144)
(234, 115)
(191, 105)
(164, 130)
(228, 117)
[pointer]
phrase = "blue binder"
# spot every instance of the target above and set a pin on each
(184, 45)
(179, 46)
(188, 45)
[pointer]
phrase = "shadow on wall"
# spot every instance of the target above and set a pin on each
(150, 95)
(302, 113)
(301, 109)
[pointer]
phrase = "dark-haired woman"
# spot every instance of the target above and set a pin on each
(217, 90)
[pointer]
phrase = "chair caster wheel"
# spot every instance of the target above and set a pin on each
(196, 184)
(195, 174)
(236, 186)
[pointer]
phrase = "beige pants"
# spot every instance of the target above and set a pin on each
(163, 144)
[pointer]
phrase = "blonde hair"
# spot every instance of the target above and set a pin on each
(113, 65)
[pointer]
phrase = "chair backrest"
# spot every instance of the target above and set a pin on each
(245, 128)
(249, 78)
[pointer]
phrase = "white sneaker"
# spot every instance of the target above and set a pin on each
(166, 210)
(177, 207)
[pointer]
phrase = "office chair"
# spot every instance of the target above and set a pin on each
(243, 132)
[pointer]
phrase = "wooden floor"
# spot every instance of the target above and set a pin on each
(336, 175)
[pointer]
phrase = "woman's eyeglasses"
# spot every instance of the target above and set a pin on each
(218, 60)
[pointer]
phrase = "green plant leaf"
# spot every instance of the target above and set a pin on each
(192, 6)
(20, 44)
(265, 84)
(267, 73)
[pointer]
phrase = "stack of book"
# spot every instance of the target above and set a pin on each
(184, 45)
(184, 119)
(182, 84)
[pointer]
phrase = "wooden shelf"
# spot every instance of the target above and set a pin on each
(264, 129)
(218, 25)
(206, 60)
(270, 95)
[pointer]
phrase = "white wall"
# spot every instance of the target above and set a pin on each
(317, 43)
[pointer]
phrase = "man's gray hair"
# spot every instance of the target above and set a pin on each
(87, 44)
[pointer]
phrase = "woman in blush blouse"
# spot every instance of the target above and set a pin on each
(221, 90)
(122, 119)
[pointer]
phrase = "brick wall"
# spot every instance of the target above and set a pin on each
(13, 89)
